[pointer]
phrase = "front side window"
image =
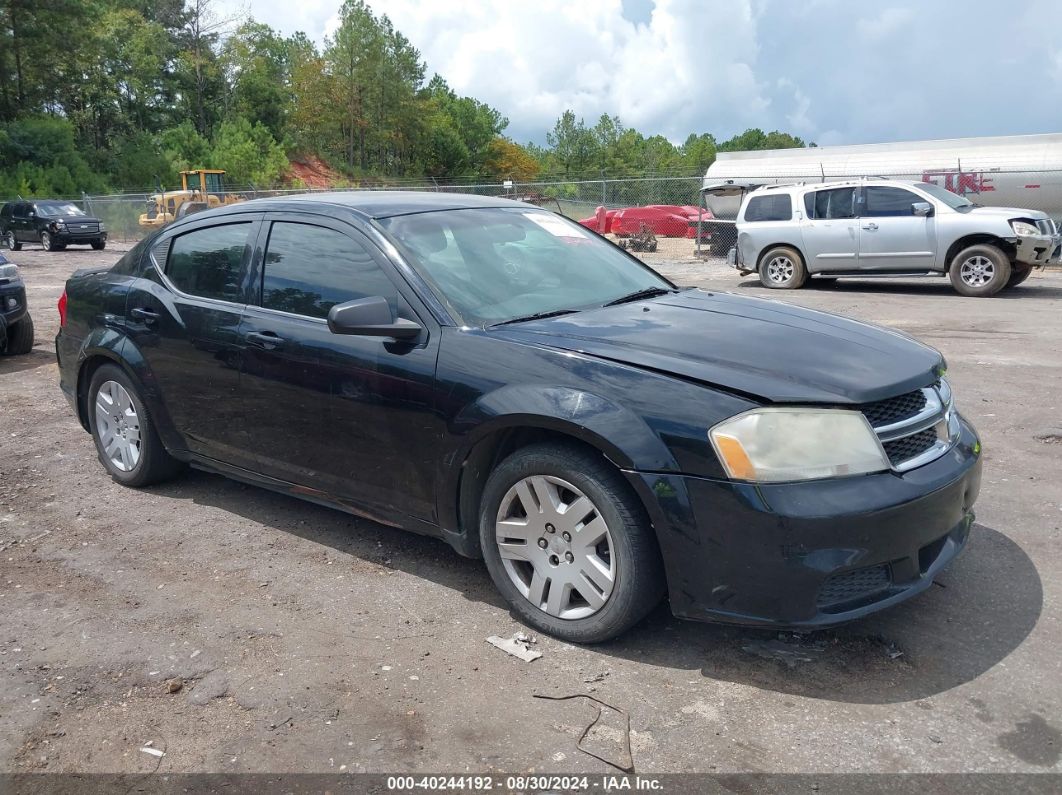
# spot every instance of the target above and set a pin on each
(880, 201)
(309, 269)
(834, 203)
(776, 207)
(494, 264)
(207, 262)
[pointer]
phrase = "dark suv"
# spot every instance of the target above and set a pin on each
(54, 224)
(16, 325)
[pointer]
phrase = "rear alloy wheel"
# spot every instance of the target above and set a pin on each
(125, 437)
(568, 544)
(20, 337)
(979, 271)
(1018, 274)
(12, 244)
(782, 268)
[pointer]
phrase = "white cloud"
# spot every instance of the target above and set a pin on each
(831, 71)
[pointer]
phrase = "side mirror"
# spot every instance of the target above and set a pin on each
(31, 214)
(370, 317)
(924, 209)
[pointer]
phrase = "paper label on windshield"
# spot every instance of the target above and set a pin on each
(554, 225)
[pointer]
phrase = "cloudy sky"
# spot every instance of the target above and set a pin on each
(831, 71)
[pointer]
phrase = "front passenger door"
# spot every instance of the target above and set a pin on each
(891, 236)
(345, 415)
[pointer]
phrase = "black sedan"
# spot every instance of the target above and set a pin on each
(495, 375)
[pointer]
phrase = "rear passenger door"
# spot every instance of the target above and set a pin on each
(830, 230)
(183, 317)
(891, 236)
(20, 222)
(344, 415)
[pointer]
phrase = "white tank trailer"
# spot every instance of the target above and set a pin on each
(1006, 171)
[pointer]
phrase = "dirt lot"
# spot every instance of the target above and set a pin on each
(307, 640)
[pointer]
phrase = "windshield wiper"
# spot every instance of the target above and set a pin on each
(648, 292)
(536, 316)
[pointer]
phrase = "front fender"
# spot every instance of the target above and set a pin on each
(616, 431)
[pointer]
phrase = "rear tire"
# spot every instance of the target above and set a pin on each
(12, 244)
(979, 271)
(543, 576)
(126, 441)
(1018, 274)
(782, 268)
(20, 337)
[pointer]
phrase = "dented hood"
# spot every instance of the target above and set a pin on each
(773, 351)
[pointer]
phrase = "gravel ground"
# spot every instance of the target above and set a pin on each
(237, 630)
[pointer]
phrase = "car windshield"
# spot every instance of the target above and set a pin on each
(58, 209)
(499, 264)
(954, 201)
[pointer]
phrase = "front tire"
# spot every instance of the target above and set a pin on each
(48, 242)
(20, 337)
(568, 544)
(979, 271)
(12, 244)
(99, 245)
(126, 441)
(782, 268)
(1018, 274)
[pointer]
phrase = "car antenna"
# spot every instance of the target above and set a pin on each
(822, 171)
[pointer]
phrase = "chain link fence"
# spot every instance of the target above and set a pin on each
(683, 221)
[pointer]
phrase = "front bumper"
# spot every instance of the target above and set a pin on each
(1036, 250)
(812, 554)
(13, 301)
(75, 237)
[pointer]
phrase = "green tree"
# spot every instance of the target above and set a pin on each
(572, 145)
(248, 153)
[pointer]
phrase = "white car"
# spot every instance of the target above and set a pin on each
(878, 227)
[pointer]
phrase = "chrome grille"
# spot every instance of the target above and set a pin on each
(83, 227)
(886, 412)
(916, 427)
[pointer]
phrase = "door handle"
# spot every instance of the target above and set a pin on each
(266, 340)
(871, 226)
(149, 316)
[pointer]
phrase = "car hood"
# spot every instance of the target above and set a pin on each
(762, 348)
(1007, 212)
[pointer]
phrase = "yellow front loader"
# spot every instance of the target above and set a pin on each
(201, 189)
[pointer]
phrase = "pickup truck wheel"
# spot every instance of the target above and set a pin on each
(782, 268)
(1018, 274)
(12, 244)
(979, 271)
(568, 544)
(48, 243)
(126, 441)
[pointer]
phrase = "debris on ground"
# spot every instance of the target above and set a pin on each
(174, 685)
(517, 646)
(624, 760)
(153, 751)
(782, 651)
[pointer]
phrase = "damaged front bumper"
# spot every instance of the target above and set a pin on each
(1035, 250)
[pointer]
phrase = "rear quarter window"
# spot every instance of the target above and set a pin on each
(775, 207)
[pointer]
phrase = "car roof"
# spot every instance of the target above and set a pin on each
(375, 203)
(842, 183)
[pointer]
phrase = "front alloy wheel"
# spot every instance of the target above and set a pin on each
(555, 547)
(568, 543)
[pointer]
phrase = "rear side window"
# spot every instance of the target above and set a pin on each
(836, 203)
(309, 269)
(5, 211)
(775, 207)
(207, 262)
(881, 201)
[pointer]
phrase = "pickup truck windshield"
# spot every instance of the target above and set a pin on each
(954, 201)
(497, 264)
